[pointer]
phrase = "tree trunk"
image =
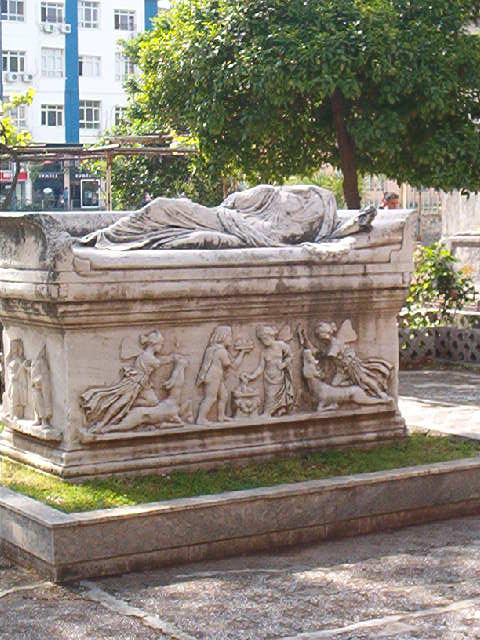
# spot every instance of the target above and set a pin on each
(346, 147)
(13, 188)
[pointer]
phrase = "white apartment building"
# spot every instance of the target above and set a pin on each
(68, 52)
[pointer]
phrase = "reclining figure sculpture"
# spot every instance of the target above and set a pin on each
(264, 216)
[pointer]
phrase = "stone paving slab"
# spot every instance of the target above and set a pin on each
(49, 612)
(441, 400)
(419, 583)
(321, 588)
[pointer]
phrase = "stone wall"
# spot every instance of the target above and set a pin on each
(460, 214)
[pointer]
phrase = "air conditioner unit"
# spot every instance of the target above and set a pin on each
(65, 28)
(48, 27)
(27, 77)
(12, 77)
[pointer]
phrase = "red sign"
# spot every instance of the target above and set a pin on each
(7, 176)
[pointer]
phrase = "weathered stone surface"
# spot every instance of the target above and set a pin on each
(136, 361)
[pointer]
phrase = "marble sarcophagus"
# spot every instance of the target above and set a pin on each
(142, 342)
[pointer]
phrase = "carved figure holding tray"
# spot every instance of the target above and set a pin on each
(216, 360)
(41, 389)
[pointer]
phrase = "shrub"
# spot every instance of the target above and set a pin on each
(438, 290)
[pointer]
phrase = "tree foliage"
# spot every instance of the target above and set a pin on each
(10, 137)
(279, 87)
(135, 176)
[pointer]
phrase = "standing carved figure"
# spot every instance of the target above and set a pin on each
(106, 407)
(41, 389)
(275, 364)
(216, 360)
(17, 380)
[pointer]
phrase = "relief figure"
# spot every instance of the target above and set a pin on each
(166, 411)
(336, 374)
(217, 359)
(17, 380)
(107, 408)
(41, 389)
(275, 364)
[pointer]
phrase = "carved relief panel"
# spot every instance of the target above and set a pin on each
(242, 372)
(132, 401)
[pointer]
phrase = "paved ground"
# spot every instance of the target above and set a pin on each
(447, 401)
(421, 583)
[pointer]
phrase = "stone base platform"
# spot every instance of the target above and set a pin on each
(105, 542)
(192, 447)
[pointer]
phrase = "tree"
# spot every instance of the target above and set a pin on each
(10, 138)
(279, 87)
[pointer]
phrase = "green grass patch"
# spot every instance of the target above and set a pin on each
(116, 491)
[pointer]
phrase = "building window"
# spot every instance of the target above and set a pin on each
(89, 66)
(13, 10)
(123, 67)
(52, 115)
(52, 63)
(89, 114)
(13, 61)
(51, 12)
(124, 20)
(18, 115)
(120, 114)
(89, 14)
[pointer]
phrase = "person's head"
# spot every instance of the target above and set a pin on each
(154, 340)
(266, 334)
(147, 197)
(16, 348)
(391, 200)
(222, 335)
(325, 330)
